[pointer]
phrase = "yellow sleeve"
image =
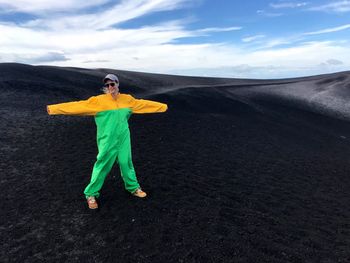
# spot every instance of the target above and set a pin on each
(146, 106)
(82, 107)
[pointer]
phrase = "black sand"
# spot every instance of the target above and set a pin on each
(236, 171)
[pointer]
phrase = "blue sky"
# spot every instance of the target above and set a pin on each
(240, 39)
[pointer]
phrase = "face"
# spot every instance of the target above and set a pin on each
(111, 86)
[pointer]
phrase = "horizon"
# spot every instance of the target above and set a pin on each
(179, 75)
(251, 40)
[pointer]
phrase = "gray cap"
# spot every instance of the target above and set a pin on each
(111, 77)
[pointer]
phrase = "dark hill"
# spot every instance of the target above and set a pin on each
(237, 170)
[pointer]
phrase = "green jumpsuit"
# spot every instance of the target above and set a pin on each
(113, 134)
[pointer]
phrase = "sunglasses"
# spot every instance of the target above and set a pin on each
(112, 84)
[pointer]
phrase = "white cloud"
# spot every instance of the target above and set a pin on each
(302, 60)
(287, 5)
(329, 30)
(271, 42)
(268, 14)
(226, 60)
(336, 6)
(114, 15)
(218, 29)
(49, 57)
(33, 58)
(252, 38)
(96, 61)
(274, 42)
(38, 6)
(334, 62)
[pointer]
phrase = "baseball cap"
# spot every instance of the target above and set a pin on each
(111, 77)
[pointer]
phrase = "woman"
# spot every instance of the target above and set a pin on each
(111, 111)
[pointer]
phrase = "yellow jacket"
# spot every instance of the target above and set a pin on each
(105, 102)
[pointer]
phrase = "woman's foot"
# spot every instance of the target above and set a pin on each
(92, 203)
(139, 193)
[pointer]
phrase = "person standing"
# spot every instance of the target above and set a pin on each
(112, 111)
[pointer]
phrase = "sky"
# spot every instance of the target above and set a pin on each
(221, 38)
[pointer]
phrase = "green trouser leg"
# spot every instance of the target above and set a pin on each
(126, 166)
(102, 167)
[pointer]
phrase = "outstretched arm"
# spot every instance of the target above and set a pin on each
(82, 107)
(147, 106)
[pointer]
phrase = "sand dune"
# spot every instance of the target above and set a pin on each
(237, 170)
